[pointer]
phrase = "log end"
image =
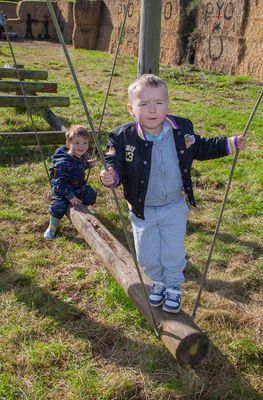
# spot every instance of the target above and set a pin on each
(192, 349)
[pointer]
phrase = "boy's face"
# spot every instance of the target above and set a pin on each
(149, 105)
(78, 146)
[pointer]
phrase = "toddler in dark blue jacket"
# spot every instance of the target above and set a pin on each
(68, 177)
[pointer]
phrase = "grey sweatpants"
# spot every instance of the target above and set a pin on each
(159, 242)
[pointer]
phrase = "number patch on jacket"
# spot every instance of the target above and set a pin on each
(129, 152)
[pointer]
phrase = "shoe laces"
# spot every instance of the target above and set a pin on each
(173, 294)
(157, 288)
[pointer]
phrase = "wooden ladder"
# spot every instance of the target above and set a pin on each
(33, 82)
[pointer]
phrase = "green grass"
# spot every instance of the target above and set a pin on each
(67, 329)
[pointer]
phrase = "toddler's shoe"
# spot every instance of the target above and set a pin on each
(172, 302)
(52, 228)
(157, 294)
(50, 234)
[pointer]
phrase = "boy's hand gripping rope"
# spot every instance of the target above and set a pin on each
(222, 210)
(101, 155)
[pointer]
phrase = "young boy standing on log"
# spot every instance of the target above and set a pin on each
(152, 158)
(68, 177)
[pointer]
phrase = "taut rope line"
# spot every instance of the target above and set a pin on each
(111, 75)
(222, 209)
(101, 155)
(24, 95)
(114, 63)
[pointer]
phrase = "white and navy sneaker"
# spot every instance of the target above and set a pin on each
(157, 294)
(172, 301)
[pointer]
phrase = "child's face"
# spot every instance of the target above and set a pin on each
(149, 105)
(78, 146)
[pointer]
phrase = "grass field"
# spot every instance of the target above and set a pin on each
(67, 330)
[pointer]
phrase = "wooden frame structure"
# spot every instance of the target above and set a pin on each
(32, 82)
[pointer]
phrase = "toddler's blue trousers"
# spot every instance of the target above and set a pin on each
(159, 242)
(59, 205)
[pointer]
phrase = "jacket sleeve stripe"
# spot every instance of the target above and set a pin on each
(231, 145)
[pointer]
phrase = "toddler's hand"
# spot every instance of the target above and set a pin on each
(75, 201)
(107, 177)
(241, 142)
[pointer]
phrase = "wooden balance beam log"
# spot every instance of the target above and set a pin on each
(180, 335)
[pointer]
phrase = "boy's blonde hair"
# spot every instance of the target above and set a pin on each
(76, 130)
(145, 80)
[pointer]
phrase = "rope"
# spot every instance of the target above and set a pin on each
(114, 63)
(111, 75)
(3, 20)
(101, 155)
(222, 210)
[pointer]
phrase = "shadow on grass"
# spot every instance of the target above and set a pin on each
(105, 339)
(237, 291)
(16, 154)
(223, 379)
(232, 290)
(112, 344)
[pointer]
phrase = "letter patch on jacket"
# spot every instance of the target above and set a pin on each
(129, 152)
(189, 140)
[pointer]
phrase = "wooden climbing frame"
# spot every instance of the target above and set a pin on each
(32, 82)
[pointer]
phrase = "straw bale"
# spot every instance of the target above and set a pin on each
(40, 16)
(86, 15)
(230, 36)
(111, 22)
(65, 19)
(38, 12)
(8, 8)
(173, 22)
(251, 60)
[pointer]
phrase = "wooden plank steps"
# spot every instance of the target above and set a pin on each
(34, 101)
(23, 73)
(29, 138)
(11, 82)
(180, 335)
(28, 87)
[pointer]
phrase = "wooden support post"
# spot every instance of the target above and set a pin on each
(54, 121)
(34, 101)
(149, 40)
(28, 87)
(180, 335)
(23, 73)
